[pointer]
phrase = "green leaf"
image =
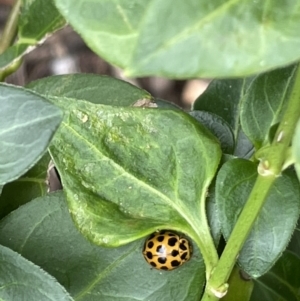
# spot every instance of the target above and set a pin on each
(219, 127)
(265, 103)
(34, 26)
(224, 98)
(110, 28)
(135, 172)
(243, 146)
(270, 234)
(294, 244)
(27, 124)
(11, 55)
(181, 39)
(22, 280)
(281, 283)
(296, 149)
(213, 214)
(37, 19)
(99, 89)
(43, 232)
(26, 188)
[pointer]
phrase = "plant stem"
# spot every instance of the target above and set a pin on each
(10, 29)
(240, 231)
(270, 167)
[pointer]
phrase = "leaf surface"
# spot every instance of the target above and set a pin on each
(184, 39)
(265, 103)
(294, 245)
(44, 233)
(219, 127)
(27, 124)
(281, 283)
(224, 98)
(26, 188)
(137, 174)
(99, 89)
(20, 279)
(34, 26)
(270, 234)
(296, 149)
(37, 19)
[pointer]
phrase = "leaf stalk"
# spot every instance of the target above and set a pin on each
(10, 29)
(270, 167)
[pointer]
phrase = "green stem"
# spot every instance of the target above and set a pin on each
(10, 29)
(270, 167)
(289, 160)
(240, 232)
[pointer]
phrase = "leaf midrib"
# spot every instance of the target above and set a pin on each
(175, 205)
(104, 273)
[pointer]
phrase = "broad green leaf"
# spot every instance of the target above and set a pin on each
(219, 127)
(20, 279)
(265, 103)
(130, 171)
(224, 98)
(110, 28)
(181, 39)
(240, 289)
(213, 214)
(294, 244)
(11, 55)
(296, 149)
(270, 234)
(99, 89)
(43, 232)
(243, 146)
(37, 19)
(27, 124)
(26, 188)
(281, 283)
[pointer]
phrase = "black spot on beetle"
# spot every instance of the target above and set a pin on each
(153, 264)
(172, 241)
(150, 244)
(162, 260)
(182, 246)
(163, 268)
(175, 263)
(183, 256)
(174, 253)
(160, 238)
(149, 255)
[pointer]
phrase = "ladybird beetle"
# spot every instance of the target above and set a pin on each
(165, 250)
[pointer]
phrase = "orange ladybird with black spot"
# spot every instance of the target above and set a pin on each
(165, 250)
